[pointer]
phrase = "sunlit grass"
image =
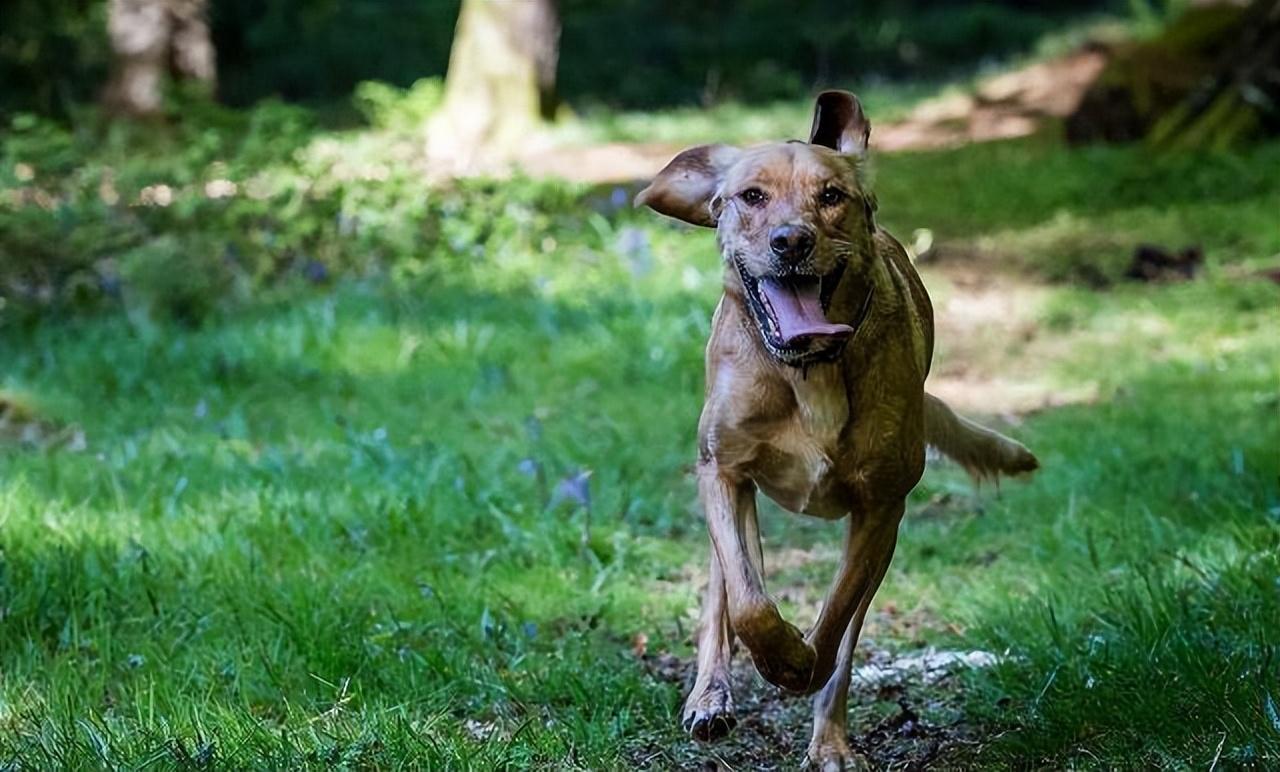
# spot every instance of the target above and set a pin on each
(732, 121)
(337, 526)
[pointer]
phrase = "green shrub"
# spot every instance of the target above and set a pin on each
(181, 278)
(386, 106)
(169, 218)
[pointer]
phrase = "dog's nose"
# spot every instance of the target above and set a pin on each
(791, 242)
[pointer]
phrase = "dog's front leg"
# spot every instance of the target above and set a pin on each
(708, 710)
(868, 549)
(779, 651)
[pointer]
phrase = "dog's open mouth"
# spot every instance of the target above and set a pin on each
(791, 312)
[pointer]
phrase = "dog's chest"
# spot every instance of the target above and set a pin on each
(822, 408)
(795, 455)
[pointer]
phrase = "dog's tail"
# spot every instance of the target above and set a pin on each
(982, 452)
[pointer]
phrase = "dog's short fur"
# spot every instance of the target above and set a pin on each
(815, 394)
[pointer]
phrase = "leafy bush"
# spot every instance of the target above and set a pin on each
(54, 53)
(385, 106)
(692, 52)
(178, 278)
(168, 219)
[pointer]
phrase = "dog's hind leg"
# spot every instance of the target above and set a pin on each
(708, 710)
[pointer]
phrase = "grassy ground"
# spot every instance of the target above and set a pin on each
(430, 521)
(732, 121)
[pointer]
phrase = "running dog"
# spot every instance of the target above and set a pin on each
(815, 374)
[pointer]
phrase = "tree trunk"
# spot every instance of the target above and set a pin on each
(501, 81)
(152, 38)
(191, 52)
(1238, 98)
(1210, 79)
(544, 42)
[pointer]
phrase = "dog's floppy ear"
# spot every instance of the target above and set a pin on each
(686, 187)
(838, 123)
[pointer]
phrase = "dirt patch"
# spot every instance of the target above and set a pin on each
(994, 356)
(1006, 399)
(22, 425)
(1005, 106)
(903, 715)
(612, 162)
(1009, 105)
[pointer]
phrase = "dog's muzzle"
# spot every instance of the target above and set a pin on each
(791, 313)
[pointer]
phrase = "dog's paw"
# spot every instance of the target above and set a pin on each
(833, 754)
(782, 657)
(708, 713)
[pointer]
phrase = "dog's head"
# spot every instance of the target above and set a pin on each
(790, 218)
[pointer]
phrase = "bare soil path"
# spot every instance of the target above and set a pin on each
(1012, 104)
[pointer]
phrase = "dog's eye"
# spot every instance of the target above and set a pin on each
(831, 195)
(754, 196)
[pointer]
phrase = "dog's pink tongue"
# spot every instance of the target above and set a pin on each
(797, 309)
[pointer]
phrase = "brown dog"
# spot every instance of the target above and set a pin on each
(815, 394)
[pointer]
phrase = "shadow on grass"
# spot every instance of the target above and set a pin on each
(312, 530)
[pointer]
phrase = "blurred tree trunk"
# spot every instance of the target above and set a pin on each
(152, 38)
(1240, 96)
(501, 80)
(1210, 79)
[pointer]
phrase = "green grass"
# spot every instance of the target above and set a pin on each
(1134, 583)
(733, 121)
(1067, 214)
(332, 527)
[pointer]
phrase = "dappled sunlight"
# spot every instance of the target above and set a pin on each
(400, 444)
(318, 452)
